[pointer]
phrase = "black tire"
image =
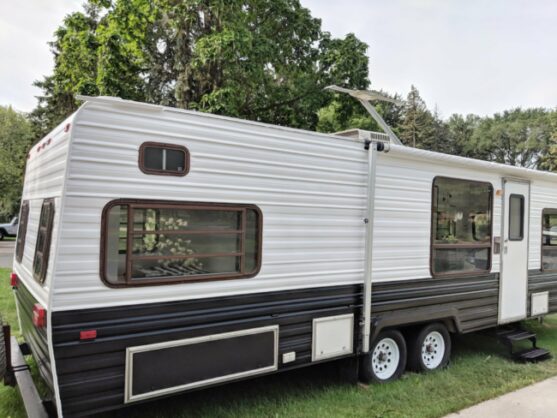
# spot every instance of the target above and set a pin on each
(375, 365)
(426, 356)
(1, 235)
(3, 362)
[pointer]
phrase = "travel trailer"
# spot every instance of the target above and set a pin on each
(162, 250)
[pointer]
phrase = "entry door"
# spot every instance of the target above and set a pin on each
(514, 252)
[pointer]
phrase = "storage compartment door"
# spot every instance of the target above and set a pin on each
(174, 366)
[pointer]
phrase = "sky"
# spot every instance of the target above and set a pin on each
(472, 56)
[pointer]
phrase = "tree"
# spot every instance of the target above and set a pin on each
(265, 60)
(460, 130)
(548, 160)
(16, 137)
(418, 124)
(344, 112)
(75, 70)
(515, 137)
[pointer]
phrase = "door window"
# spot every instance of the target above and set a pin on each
(516, 217)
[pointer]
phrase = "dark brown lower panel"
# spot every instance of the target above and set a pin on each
(35, 337)
(91, 374)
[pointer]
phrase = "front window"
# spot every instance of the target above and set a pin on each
(461, 226)
(549, 239)
(42, 247)
(150, 243)
(22, 231)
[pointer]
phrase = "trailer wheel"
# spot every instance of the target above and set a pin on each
(430, 348)
(3, 360)
(386, 359)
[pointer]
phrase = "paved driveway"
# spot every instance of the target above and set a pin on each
(536, 401)
(6, 253)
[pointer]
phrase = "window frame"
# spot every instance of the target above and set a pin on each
(22, 231)
(522, 201)
(433, 246)
(551, 211)
(162, 172)
(161, 204)
(45, 251)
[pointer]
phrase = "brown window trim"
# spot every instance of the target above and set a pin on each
(434, 246)
(22, 231)
(157, 204)
(43, 253)
(545, 211)
(164, 172)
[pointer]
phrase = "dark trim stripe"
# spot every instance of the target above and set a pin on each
(474, 300)
(540, 281)
(35, 337)
(91, 373)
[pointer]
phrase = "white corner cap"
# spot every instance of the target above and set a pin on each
(119, 102)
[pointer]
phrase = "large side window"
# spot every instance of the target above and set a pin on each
(44, 234)
(163, 242)
(461, 226)
(549, 239)
(164, 159)
(22, 231)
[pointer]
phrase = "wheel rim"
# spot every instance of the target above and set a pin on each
(385, 358)
(433, 350)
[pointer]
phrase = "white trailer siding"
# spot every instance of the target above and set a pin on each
(310, 187)
(402, 235)
(44, 178)
(543, 195)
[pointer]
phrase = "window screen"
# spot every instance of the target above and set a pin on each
(461, 226)
(42, 247)
(22, 231)
(516, 217)
(549, 239)
(150, 243)
(163, 159)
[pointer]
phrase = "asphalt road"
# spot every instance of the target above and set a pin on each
(6, 253)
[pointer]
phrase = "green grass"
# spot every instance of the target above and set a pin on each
(478, 371)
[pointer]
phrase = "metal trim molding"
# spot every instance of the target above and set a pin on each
(130, 351)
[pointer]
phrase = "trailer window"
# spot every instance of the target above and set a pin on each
(42, 247)
(461, 226)
(164, 242)
(549, 239)
(164, 159)
(22, 231)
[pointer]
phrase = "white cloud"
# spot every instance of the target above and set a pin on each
(465, 56)
(25, 28)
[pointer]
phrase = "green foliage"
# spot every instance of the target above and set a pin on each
(265, 60)
(460, 130)
(418, 124)
(516, 137)
(16, 137)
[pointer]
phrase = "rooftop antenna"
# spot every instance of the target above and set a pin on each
(364, 97)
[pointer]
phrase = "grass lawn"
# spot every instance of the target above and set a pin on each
(478, 371)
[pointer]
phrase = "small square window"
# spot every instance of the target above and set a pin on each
(164, 159)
